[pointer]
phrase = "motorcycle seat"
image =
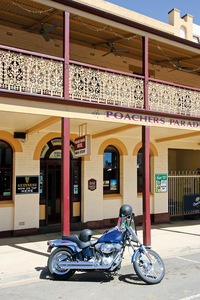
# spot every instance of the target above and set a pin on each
(74, 238)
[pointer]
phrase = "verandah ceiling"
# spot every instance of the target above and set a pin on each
(23, 15)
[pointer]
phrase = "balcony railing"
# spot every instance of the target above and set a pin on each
(31, 74)
(174, 99)
(106, 87)
(28, 72)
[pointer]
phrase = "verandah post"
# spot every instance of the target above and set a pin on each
(65, 176)
(145, 156)
(146, 186)
(66, 56)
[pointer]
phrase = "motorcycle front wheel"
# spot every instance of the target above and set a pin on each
(150, 269)
(56, 257)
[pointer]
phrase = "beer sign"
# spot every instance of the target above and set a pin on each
(27, 184)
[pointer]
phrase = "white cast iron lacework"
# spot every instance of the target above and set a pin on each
(105, 87)
(173, 99)
(31, 74)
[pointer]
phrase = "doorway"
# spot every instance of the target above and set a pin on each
(75, 189)
(50, 183)
(54, 193)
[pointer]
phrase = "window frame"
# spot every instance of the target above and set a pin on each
(117, 191)
(140, 190)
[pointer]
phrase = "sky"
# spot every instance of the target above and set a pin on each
(158, 9)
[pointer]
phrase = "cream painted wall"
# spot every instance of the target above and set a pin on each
(160, 167)
(92, 201)
(96, 206)
(24, 213)
(6, 218)
(177, 22)
(128, 179)
(128, 14)
(26, 208)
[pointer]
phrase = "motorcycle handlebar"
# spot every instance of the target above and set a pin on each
(125, 222)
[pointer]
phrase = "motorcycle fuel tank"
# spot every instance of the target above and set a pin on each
(114, 236)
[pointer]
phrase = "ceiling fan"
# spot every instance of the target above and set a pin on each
(179, 67)
(113, 50)
(44, 31)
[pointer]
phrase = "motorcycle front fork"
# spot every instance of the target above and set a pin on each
(141, 248)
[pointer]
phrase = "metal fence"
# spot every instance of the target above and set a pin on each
(180, 184)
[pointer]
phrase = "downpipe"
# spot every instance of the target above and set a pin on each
(86, 265)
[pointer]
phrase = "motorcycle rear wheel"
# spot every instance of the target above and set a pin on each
(151, 272)
(61, 254)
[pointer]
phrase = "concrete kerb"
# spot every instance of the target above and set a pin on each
(25, 258)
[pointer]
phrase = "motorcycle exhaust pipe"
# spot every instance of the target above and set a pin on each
(86, 265)
(83, 265)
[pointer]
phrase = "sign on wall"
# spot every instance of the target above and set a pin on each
(131, 118)
(82, 145)
(151, 120)
(27, 184)
(161, 183)
(92, 184)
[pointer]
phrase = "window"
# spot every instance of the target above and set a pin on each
(52, 149)
(111, 170)
(182, 32)
(139, 172)
(5, 171)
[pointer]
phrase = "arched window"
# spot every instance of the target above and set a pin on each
(140, 171)
(111, 170)
(182, 32)
(5, 171)
(52, 149)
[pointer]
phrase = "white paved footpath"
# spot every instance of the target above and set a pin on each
(23, 258)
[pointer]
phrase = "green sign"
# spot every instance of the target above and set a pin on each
(161, 183)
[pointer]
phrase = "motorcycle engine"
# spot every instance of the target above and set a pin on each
(107, 252)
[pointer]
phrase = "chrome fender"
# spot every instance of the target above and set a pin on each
(138, 250)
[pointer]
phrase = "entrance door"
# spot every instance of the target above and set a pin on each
(75, 189)
(54, 193)
(50, 183)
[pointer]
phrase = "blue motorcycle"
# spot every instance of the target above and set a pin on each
(84, 253)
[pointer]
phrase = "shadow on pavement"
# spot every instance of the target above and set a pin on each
(176, 231)
(91, 276)
(131, 279)
(30, 250)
